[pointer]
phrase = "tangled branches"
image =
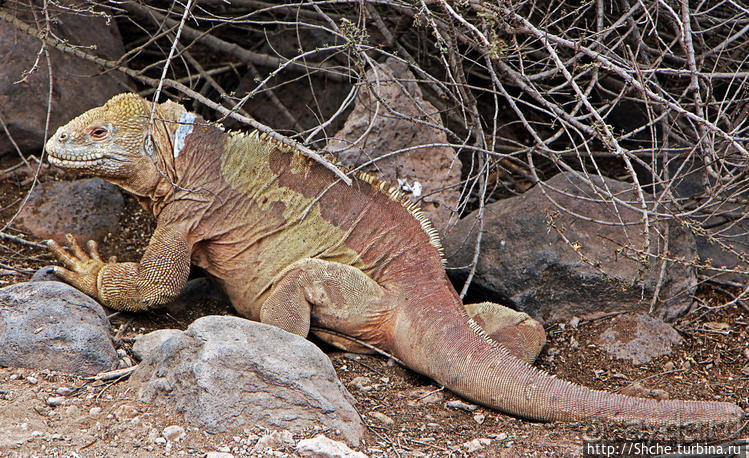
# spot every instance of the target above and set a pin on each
(652, 92)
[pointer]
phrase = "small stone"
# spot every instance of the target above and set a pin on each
(500, 436)
(32, 380)
(382, 418)
(121, 352)
(145, 344)
(574, 322)
(669, 366)
(173, 433)
(476, 444)
(64, 391)
(274, 440)
(479, 418)
(424, 396)
(323, 447)
(361, 383)
(54, 401)
(745, 352)
(218, 455)
(458, 404)
(160, 441)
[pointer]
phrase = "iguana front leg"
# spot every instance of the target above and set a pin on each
(157, 279)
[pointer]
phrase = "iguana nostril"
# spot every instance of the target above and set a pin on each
(63, 136)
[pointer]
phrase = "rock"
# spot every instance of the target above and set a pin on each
(361, 383)
(226, 372)
(428, 175)
(322, 447)
(458, 404)
(147, 343)
(421, 396)
(638, 337)
(476, 444)
(46, 273)
(526, 263)
(218, 455)
(173, 433)
(723, 219)
(89, 209)
(382, 418)
(78, 84)
(54, 401)
(274, 440)
(51, 325)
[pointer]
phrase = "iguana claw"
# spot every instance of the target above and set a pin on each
(82, 268)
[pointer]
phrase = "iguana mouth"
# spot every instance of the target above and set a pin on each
(75, 161)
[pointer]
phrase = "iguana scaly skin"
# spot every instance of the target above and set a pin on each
(293, 247)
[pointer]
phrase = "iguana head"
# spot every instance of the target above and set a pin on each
(108, 141)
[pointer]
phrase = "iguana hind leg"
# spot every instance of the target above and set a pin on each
(327, 295)
(520, 334)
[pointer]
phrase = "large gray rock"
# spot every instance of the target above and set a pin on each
(526, 262)
(78, 84)
(50, 325)
(225, 372)
(89, 209)
(390, 114)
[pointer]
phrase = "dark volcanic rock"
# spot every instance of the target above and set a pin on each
(390, 115)
(78, 84)
(526, 262)
(88, 209)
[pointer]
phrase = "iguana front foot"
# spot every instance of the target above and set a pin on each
(82, 268)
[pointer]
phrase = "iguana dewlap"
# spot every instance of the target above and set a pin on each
(293, 247)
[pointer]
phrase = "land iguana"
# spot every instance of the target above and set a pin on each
(294, 247)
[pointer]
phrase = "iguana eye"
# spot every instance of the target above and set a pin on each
(98, 133)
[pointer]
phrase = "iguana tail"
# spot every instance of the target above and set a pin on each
(443, 344)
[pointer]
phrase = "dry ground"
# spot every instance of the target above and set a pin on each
(407, 414)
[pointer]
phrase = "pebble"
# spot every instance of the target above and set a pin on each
(32, 380)
(64, 391)
(160, 441)
(476, 444)
(457, 404)
(321, 446)
(54, 401)
(479, 418)
(361, 383)
(274, 440)
(94, 411)
(218, 455)
(382, 418)
(746, 352)
(173, 433)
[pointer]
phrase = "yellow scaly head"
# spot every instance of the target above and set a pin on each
(107, 141)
